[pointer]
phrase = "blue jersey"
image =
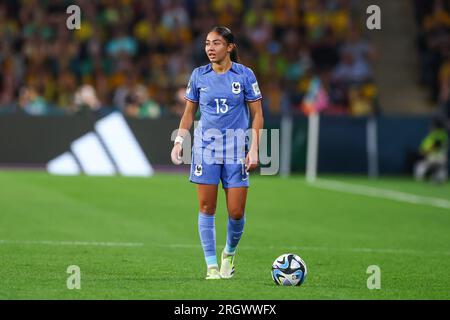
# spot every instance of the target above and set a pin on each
(222, 100)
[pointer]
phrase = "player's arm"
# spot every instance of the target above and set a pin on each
(188, 118)
(185, 125)
(256, 112)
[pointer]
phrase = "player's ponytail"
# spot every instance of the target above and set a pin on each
(234, 54)
(229, 38)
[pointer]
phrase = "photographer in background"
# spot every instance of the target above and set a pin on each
(433, 151)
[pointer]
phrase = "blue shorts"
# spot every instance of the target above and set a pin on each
(232, 175)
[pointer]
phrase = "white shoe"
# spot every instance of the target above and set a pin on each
(213, 273)
(227, 266)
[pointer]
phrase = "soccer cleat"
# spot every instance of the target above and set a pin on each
(213, 273)
(227, 266)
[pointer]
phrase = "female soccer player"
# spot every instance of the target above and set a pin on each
(226, 92)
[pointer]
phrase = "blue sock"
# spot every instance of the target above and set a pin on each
(207, 232)
(234, 232)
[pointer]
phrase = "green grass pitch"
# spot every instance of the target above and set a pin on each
(48, 223)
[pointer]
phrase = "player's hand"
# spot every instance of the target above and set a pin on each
(176, 154)
(251, 161)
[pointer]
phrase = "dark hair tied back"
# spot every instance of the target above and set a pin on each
(229, 38)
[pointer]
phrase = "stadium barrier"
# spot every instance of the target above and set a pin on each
(34, 141)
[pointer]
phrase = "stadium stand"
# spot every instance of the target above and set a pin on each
(135, 55)
(433, 19)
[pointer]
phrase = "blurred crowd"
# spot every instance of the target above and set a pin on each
(433, 19)
(136, 56)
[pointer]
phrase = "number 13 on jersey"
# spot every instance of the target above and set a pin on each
(221, 105)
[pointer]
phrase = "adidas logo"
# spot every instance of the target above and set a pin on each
(110, 149)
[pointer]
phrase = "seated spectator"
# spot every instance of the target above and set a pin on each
(149, 108)
(351, 70)
(131, 86)
(131, 106)
(362, 100)
(139, 105)
(358, 47)
(121, 44)
(86, 101)
(177, 109)
(31, 102)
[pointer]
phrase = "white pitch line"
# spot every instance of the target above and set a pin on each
(380, 193)
(74, 243)
(198, 246)
(357, 250)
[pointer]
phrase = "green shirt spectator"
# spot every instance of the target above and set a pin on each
(435, 144)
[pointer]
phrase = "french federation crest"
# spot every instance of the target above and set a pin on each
(198, 170)
(236, 87)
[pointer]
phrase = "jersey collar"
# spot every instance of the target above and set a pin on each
(209, 68)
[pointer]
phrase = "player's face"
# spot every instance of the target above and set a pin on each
(216, 47)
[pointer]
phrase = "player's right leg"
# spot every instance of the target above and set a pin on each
(207, 178)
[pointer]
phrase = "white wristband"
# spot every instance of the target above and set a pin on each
(178, 139)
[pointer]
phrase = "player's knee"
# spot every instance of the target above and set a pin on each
(236, 213)
(207, 208)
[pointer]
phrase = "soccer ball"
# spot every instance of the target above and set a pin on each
(289, 270)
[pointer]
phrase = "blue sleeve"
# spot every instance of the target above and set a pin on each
(251, 91)
(192, 89)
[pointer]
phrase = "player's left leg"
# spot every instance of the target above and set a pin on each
(235, 181)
